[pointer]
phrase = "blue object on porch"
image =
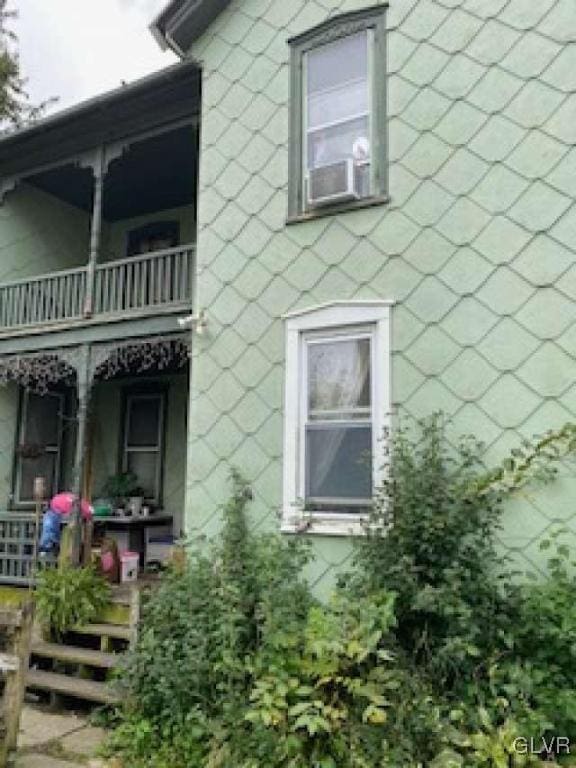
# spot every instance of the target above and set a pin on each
(51, 530)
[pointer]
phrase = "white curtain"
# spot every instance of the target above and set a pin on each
(339, 383)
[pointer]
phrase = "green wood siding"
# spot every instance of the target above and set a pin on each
(477, 245)
(39, 233)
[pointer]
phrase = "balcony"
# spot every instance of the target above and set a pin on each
(137, 286)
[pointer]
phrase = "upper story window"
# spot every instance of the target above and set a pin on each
(155, 236)
(338, 130)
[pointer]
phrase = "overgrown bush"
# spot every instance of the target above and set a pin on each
(430, 653)
(191, 670)
(431, 541)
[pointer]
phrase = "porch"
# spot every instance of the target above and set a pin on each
(98, 213)
(97, 266)
(83, 417)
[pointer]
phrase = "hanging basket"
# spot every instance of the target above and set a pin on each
(30, 450)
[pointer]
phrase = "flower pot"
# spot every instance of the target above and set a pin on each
(135, 505)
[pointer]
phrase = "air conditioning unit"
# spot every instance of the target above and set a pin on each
(332, 183)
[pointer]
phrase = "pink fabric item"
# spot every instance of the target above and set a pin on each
(107, 562)
(64, 502)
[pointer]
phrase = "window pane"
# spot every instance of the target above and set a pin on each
(343, 61)
(338, 462)
(42, 419)
(143, 421)
(339, 379)
(340, 142)
(43, 466)
(337, 104)
(144, 465)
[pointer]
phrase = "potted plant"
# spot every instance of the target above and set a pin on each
(124, 490)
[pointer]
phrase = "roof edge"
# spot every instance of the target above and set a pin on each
(181, 22)
(99, 102)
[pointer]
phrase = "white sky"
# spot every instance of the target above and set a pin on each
(75, 49)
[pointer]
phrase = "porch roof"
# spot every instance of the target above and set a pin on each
(159, 99)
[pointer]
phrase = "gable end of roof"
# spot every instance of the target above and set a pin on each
(182, 22)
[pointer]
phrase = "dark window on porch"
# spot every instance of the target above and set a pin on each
(143, 443)
(156, 236)
(39, 448)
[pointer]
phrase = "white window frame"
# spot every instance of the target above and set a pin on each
(332, 320)
(158, 448)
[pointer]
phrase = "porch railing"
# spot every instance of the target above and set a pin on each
(17, 532)
(163, 277)
(128, 285)
(43, 299)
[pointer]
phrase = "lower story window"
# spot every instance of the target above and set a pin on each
(143, 444)
(337, 403)
(337, 423)
(39, 449)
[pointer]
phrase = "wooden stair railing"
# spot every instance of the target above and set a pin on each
(15, 631)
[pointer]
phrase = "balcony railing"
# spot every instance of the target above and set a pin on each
(136, 284)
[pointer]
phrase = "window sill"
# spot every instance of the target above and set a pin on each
(333, 210)
(325, 524)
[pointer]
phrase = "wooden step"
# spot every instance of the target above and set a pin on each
(74, 655)
(122, 594)
(116, 631)
(90, 690)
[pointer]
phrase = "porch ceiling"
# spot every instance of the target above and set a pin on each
(153, 175)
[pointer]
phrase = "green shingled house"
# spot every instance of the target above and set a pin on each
(329, 213)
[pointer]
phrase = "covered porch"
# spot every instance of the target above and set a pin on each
(84, 417)
(98, 208)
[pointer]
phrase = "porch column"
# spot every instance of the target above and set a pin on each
(95, 230)
(84, 385)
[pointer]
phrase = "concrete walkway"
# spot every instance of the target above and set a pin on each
(49, 740)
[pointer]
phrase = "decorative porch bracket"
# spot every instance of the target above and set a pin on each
(140, 355)
(38, 372)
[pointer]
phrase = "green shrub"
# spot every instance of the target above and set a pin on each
(429, 654)
(431, 540)
(323, 698)
(66, 597)
(201, 627)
